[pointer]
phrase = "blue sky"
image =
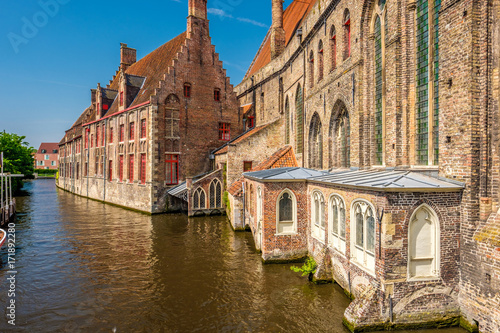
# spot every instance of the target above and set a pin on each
(52, 52)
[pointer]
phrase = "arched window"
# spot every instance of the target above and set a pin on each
(363, 234)
(347, 34)
(427, 93)
(318, 216)
(215, 194)
(315, 143)
(311, 69)
(333, 47)
(287, 121)
(320, 61)
(423, 244)
(299, 113)
(281, 95)
(199, 199)
(286, 213)
(337, 223)
(340, 137)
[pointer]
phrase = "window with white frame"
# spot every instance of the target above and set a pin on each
(336, 238)
(199, 201)
(286, 213)
(47, 157)
(40, 163)
(318, 216)
(53, 163)
(363, 234)
(423, 244)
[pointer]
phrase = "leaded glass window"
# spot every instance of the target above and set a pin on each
(378, 93)
(299, 107)
(286, 213)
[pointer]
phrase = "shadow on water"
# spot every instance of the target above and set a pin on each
(88, 267)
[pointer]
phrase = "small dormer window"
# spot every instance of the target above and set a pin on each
(217, 95)
(187, 90)
(55, 151)
(43, 151)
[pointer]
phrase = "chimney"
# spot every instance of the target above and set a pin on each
(198, 9)
(128, 57)
(277, 31)
(92, 96)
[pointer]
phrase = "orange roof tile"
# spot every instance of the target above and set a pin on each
(246, 109)
(283, 158)
(292, 17)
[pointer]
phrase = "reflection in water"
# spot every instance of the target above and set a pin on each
(88, 267)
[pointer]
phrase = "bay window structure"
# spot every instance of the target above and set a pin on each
(337, 218)
(215, 194)
(347, 34)
(380, 33)
(199, 201)
(224, 131)
(315, 143)
(423, 244)
(363, 234)
(172, 169)
(286, 213)
(318, 216)
(427, 82)
(333, 47)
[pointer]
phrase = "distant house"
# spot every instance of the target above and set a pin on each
(47, 156)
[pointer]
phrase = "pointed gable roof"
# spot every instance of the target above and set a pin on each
(292, 18)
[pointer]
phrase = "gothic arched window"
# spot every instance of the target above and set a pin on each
(286, 213)
(340, 137)
(199, 199)
(337, 223)
(215, 194)
(363, 234)
(320, 61)
(287, 121)
(315, 143)
(318, 216)
(311, 69)
(333, 47)
(347, 34)
(299, 113)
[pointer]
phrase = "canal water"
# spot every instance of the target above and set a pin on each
(83, 266)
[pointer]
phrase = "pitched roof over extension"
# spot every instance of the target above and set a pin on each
(292, 18)
(283, 158)
(247, 134)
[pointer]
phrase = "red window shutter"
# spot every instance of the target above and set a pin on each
(110, 170)
(143, 169)
(121, 168)
(172, 169)
(143, 128)
(131, 168)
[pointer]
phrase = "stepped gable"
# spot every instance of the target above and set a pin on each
(153, 67)
(283, 158)
(77, 126)
(292, 18)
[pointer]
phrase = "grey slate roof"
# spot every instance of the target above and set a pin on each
(370, 179)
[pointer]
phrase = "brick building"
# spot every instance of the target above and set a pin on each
(391, 108)
(47, 156)
(154, 124)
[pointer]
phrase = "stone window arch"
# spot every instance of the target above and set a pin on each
(337, 223)
(299, 114)
(318, 224)
(315, 143)
(347, 34)
(427, 81)
(286, 213)
(340, 137)
(287, 121)
(363, 234)
(199, 201)
(311, 69)
(423, 244)
(333, 47)
(215, 194)
(320, 60)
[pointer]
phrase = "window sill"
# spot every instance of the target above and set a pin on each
(424, 278)
(333, 248)
(287, 234)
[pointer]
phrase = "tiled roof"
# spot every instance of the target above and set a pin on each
(292, 17)
(152, 67)
(284, 157)
(246, 109)
(49, 147)
(255, 130)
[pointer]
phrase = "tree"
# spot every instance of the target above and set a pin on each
(17, 157)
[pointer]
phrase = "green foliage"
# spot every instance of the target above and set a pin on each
(309, 267)
(225, 199)
(17, 157)
(46, 172)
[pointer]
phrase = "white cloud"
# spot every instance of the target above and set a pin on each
(218, 12)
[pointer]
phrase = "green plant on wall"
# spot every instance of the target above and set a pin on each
(225, 199)
(309, 268)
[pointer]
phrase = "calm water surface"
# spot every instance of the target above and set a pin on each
(88, 267)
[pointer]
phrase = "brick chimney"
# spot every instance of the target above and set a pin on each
(128, 57)
(198, 9)
(277, 31)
